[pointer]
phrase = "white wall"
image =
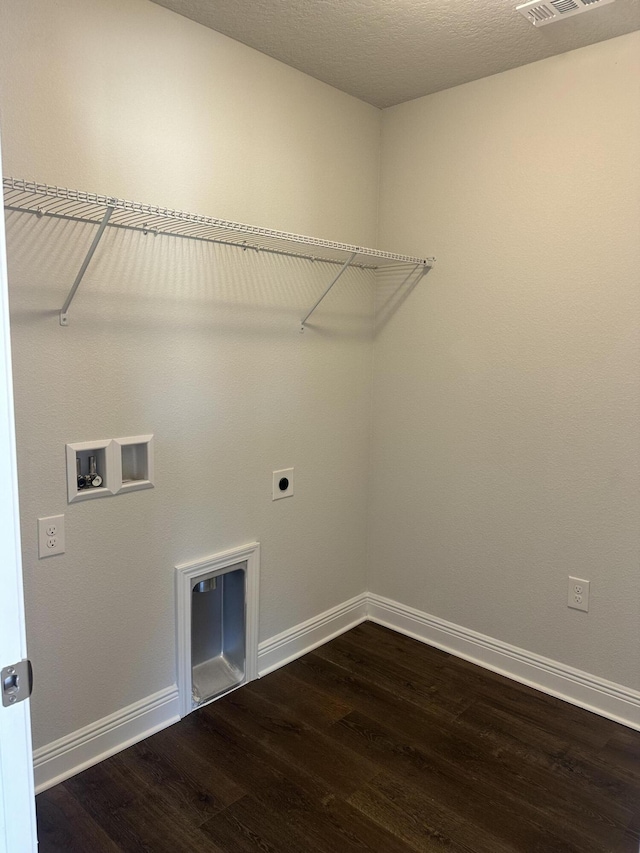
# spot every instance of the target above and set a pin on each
(135, 101)
(506, 407)
(199, 346)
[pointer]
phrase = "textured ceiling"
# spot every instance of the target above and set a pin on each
(389, 51)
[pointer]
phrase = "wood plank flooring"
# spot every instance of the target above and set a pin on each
(374, 742)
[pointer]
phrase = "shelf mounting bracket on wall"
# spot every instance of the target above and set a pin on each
(46, 200)
(64, 318)
(343, 269)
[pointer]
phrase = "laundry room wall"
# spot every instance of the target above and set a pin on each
(505, 449)
(197, 344)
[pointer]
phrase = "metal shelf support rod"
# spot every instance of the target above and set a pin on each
(64, 319)
(343, 269)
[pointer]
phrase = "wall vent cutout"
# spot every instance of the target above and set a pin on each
(217, 625)
(542, 12)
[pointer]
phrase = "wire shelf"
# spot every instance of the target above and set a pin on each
(104, 211)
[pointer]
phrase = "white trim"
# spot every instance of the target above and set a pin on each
(587, 691)
(81, 749)
(17, 807)
(70, 755)
(186, 573)
(88, 746)
(303, 638)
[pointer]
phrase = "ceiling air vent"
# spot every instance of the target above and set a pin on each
(541, 12)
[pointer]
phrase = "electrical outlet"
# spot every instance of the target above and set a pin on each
(282, 486)
(50, 536)
(578, 597)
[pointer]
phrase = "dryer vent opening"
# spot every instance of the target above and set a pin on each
(217, 618)
(218, 651)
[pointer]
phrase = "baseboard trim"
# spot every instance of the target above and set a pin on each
(85, 747)
(74, 753)
(580, 688)
(88, 746)
(305, 637)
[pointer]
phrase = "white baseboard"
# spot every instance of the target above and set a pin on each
(83, 748)
(71, 754)
(582, 689)
(307, 636)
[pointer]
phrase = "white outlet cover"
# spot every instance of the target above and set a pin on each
(279, 480)
(50, 536)
(578, 594)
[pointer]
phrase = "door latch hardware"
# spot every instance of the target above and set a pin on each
(17, 682)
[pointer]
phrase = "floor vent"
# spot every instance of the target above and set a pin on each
(541, 12)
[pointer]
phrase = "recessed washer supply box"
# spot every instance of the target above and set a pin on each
(134, 462)
(78, 461)
(121, 465)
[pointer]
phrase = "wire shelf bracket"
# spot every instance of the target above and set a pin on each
(64, 317)
(78, 206)
(342, 270)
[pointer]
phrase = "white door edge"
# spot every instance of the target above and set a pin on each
(17, 807)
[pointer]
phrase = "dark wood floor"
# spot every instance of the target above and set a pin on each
(373, 742)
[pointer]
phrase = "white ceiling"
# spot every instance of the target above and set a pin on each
(389, 51)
